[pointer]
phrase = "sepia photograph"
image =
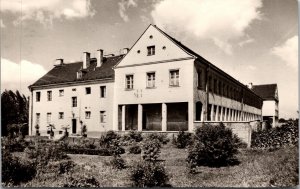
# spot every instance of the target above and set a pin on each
(149, 93)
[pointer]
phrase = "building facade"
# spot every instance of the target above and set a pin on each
(157, 85)
(270, 110)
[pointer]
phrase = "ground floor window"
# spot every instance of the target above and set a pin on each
(177, 116)
(102, 117)
(198, 110)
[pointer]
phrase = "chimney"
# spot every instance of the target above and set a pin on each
(250, 85)
(99, 58)
(125, 50)
(86, 60)
(59, 62)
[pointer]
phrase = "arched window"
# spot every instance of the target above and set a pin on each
(198, 111)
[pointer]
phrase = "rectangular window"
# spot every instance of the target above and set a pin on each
(102, 117)
(48, 117)
(38, 96)
(87, 115)
(215, 86)
(61, 92)
(210, 83)
(74, 101)
(129, 81)
(74, 89)
(102, 91)
(151, 80)
(151, 50)
(38, 115)
(174, 78)
(88, 90)
(49, 95)
(60, 115)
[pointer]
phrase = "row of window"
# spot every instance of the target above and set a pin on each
(61, 116)
(224, 87)
(88, 91)
(173, 79)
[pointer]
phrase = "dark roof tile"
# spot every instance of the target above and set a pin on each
(266, 92)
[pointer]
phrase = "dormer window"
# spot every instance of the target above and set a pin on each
(151, 50)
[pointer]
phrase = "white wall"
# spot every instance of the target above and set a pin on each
(269, 108)
(85, 102)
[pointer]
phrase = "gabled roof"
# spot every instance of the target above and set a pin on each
(68, 72)
(266, 92)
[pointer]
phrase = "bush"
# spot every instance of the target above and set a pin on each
(151, 149)
(100, 152)
(214, 146)
(161, 137)
(106, 139)
(118, 162)
(14, 144)
(133, 135)
(274, 138)
(14, 171)
(183, 139)
(148, 174)
(135, 149)
(80, 181)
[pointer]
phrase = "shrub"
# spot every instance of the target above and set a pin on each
(106, 139)
(118, 162)
(100, 152)
(162, 137)
(133, 135)
(214, 146)
(148, 174)
(14, 171)
(135, 149)
(183, 139)
(80, 181)
(14, 144)
(151, 149)
(277, 137)
(65, 166)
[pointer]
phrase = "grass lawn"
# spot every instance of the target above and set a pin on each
(257, 169)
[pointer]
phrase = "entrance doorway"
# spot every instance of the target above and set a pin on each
(74, 126)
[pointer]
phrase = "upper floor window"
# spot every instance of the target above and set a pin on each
(151, 80)
(61, 92)
(151, 50)
(38, 115)
(74, 101)
(49, 95)
(60, 115)
(102, 91)
(48, 117)
(102, 117)
(87, 115)
(210, 87)
(74, 89)
(38, 96)
(129, 81)
(88, 90)
(174, 77)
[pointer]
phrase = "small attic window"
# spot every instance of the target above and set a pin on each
(164, 48)
(138, 51)
(151, 36)
(79, 75)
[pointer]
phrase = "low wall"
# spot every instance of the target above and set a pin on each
(242, 129)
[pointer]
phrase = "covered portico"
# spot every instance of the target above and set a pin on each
(153, 117)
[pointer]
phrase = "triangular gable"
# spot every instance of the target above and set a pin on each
(165, 49)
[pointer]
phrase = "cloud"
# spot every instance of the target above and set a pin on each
(14, 75)
(124, 5)
(245, 42)
(2, 25)
(44, 11)
(218, 20)
(288, 52)
(251, 67)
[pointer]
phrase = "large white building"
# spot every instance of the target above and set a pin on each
(157, 85)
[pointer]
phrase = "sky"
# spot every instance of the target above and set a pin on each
(252, 40)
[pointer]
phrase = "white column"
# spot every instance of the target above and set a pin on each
(140, 117)
(202, 113)
(123, 117)
(225, 114)
(235, 115)
(221, 116)
(164, 117)
(212, 113)
(191, 116)
(217, 113)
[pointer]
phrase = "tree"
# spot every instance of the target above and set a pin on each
(14, 110)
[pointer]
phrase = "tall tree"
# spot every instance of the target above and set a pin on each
(14, 110)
